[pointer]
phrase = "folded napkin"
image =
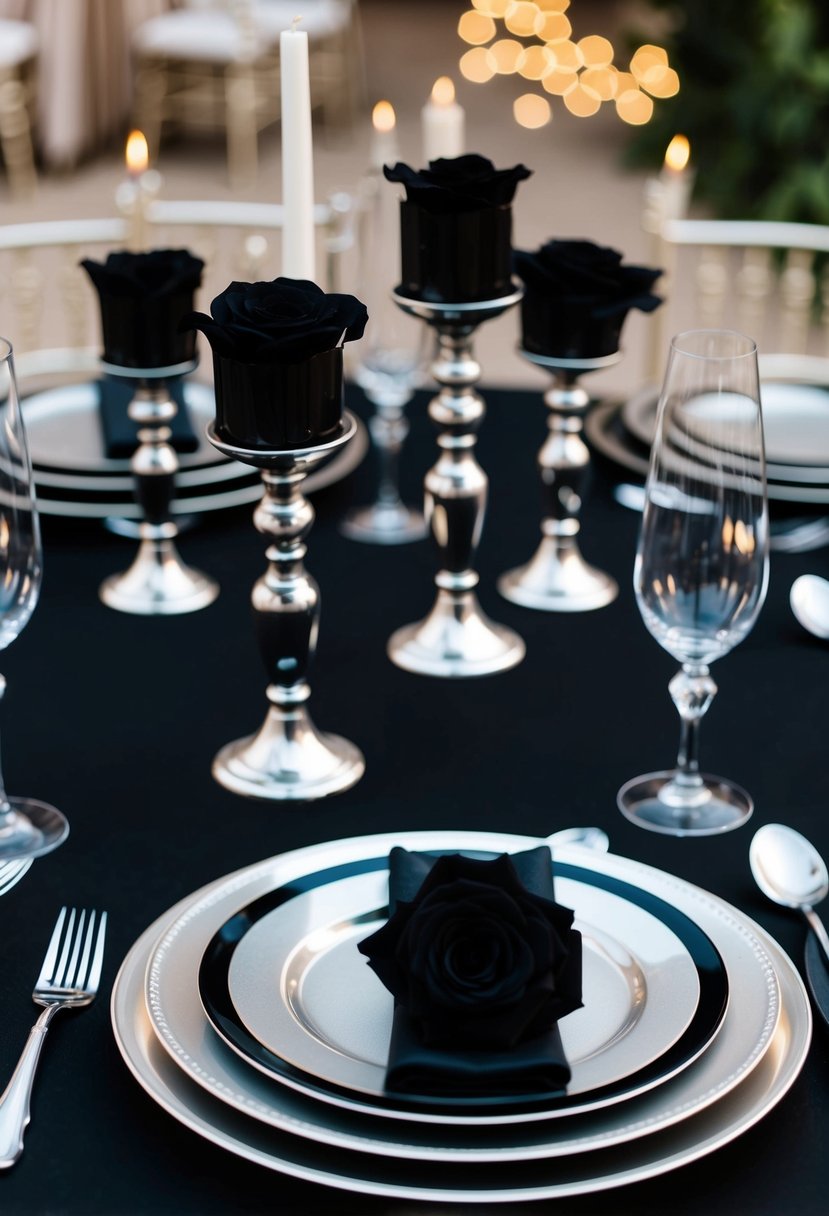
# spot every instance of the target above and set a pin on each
(120, 433)
(482, 963)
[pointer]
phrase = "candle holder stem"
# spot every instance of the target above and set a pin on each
(158, 583)
(456, 639)
(288, 759)
(557, 578)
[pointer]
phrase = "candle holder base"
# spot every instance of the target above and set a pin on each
(456, 639)
(288, 759)
(558, 579)
(158, 583)
(395, 524)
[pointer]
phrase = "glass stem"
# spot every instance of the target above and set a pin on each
(5, 808)
(692, 691)
(388, 428)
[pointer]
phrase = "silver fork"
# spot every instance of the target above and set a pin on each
(11, 872)
(68, 979)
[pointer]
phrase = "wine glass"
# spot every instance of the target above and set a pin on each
(27, 828)
(393, 358)
(701, 568)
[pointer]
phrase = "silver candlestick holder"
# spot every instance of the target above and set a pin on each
(557, 578)
(158, 583)
(288, 758)
(456, 639)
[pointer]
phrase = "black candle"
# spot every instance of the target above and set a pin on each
(456, 229)
(278, 361)
(143, 298)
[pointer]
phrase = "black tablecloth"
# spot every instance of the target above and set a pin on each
(116, 718)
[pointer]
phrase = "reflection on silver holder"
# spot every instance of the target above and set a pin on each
(557, 578)
(456, 639)
(288, 759)
(158, 583)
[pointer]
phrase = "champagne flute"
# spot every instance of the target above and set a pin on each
(27, 828)
(701, 568)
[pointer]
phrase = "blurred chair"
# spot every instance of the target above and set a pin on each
(19, 46)
(768, 279)
(44, 291)
(216, 65)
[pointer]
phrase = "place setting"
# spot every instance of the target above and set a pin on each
(406, 898)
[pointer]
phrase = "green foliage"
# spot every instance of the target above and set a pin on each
(754, 102)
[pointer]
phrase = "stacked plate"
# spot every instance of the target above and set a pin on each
(796, 422)
(249, 1015)
(75, 478)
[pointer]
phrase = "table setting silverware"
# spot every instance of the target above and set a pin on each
(11, 873)
(809, 599)
(68, 979)
(789, 870)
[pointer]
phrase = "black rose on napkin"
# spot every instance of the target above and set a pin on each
(476, 959)
(286, 321)
(577, 296)
(143, 297)
(465, 183)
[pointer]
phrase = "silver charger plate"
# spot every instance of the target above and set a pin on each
(183, 1031)
(600, 428)
(74, 478)
(640, 986)
(385, 1173)
(795, 426)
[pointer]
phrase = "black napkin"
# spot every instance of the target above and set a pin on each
(120, 433)
(532, 1066)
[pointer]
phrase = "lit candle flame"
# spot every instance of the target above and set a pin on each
(443, 91)
(382, 116)
(137, 153)
(678, 153)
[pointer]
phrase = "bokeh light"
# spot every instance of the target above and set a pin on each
(582, 102)
(492, 8)
(552, 27)
(596, 51)
(634, 107)
(532, 111)
(601, 82)
(535, 62)
(476, 28)
(666, 86)
(505, 53)
(520, 18)
(477, 65)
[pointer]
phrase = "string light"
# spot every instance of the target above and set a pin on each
(582, 73)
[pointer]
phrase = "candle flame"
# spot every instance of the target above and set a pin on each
(137, 154)
(678, 153)
(294, 23)
(443, 91)
(382, 116)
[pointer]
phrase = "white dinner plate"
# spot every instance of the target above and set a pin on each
(505, 1172)
(641, 987)
(605, 432)
(795, 427)
(182, 1029)
(74, 478)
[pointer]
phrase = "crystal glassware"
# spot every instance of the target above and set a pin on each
(392, 362)
(701, 566)
(28, 828)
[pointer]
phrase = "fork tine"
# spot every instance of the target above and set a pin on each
(83, 966)
(48, 968)
(98, 958)
(59, 973)
(72, 965)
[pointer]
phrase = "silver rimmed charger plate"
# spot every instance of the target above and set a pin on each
(173, 973)
(384, 1173)
(606, 433)
(272, 989)
(75, 478)
(795, 425)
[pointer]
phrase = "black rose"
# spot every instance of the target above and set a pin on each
(577, 296)
(476, 959)
(466, 183)
(143, 297)
(286, 321)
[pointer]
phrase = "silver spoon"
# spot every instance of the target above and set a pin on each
(581, 838)
(790, 871)
(809, 598)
